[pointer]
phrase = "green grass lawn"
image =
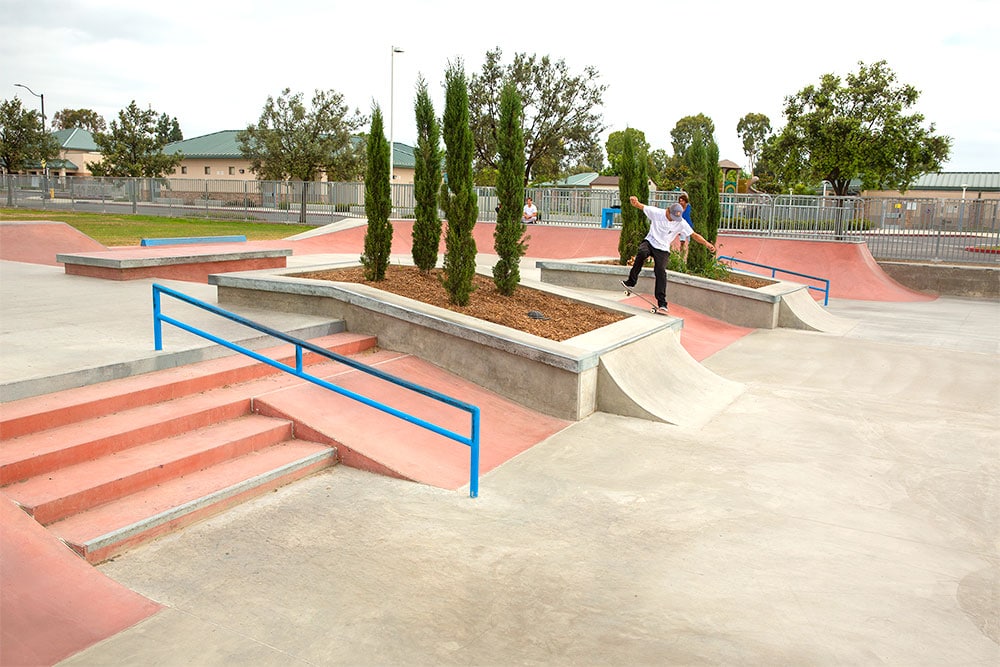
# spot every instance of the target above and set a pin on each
(115, 230)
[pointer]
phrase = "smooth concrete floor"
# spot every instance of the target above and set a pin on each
(845, 510)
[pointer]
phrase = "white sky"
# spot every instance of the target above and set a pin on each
(212, 63)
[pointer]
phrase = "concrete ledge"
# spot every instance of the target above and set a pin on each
(556, 378)
(743, 306)
(946, 279)
(191, 264)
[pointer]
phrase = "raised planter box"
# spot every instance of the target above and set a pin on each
(609, 369)
(781, 304)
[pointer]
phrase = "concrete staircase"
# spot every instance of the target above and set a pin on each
(109, 466)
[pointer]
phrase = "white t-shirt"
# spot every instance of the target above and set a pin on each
(665, 226)
(530, 212)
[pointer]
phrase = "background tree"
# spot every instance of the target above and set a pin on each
(132, 147)
(458, 196)
(291, 142)
(88, 119)
(23, 141)
(682, 136)
(632, 180)
(615, 144)
(713, 179)
(426, 182)
(509, 241)
(561, 122)
(836, 132)
(699, 192)
(378, 202)
(753, 129)
(168, 129)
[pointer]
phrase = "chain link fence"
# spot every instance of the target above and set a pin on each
(903, 228)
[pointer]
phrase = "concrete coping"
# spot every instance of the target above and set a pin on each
(576, 354)
(148, 257)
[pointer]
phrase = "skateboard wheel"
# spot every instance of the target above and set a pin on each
(652, 310)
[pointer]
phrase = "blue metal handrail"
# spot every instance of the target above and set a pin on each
(471, 441)
(775, 270)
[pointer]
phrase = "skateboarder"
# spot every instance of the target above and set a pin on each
(664, 227)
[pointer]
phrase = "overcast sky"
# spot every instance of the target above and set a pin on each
(213, 63)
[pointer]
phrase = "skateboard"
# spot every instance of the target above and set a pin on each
(652, 309)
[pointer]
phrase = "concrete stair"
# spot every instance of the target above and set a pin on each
(113, 465)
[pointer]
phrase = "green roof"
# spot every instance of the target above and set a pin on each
(954, 180)
(222, 145)
(76, 139)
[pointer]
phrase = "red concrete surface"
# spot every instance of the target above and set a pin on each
(40, 242)
(53, 604)
(368, 439)
(195, 271)
(852, 271)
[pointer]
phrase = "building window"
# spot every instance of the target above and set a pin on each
(232, 171)
(184, 170)
(208, 171)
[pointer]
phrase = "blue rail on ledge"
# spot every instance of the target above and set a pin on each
(183, 240)
(774, 270)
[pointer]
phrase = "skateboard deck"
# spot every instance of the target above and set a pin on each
(652, 309)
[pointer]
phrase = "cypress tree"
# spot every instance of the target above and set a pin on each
(458, 196)
(426, 182)
(509, 241)
(632, 180)
(378, 202)
(697, 186)
(714, 180)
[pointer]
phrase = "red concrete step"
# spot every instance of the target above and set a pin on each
(102, 532)
(40, 453)
(67, 491)
(38, 413)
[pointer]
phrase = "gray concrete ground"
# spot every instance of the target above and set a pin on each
(844, 510)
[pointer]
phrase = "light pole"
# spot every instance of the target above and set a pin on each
(392, 107)
(45, 169)
(961, 216)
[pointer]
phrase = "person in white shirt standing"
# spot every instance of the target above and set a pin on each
(664, 226)
(530, 215)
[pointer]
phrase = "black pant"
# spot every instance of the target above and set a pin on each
(660, 259)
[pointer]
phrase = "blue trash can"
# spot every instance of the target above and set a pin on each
(608, 216)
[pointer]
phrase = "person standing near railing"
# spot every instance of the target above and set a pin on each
(530, 215)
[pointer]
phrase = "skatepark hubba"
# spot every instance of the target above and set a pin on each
(839, 507)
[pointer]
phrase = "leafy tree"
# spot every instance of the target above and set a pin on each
(458, 196)
(132, 147)
(561, 122)
(682, 136)
(508, 237)
(614, 146)
(168, 129)
(753, 129)
(291, 142)
(88, 119)
(632, 180)
(378, 202)
(426, 182)
(23, 140)
(699, 189)
(859, 129)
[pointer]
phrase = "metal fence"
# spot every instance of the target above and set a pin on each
(910, 228)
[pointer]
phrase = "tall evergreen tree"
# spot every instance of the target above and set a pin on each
(714, 180)
(458, 196)
(697, 186)
(426, 182)
(378, 202)
(632, 180)
(508, 238)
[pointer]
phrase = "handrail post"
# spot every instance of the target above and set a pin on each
(157, 323)
(474, 456)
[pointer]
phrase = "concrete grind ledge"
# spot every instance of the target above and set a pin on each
(561, 379)
(780, 304)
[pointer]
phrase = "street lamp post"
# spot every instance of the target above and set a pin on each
(961, 216)
(45, 169)
(392, 108)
